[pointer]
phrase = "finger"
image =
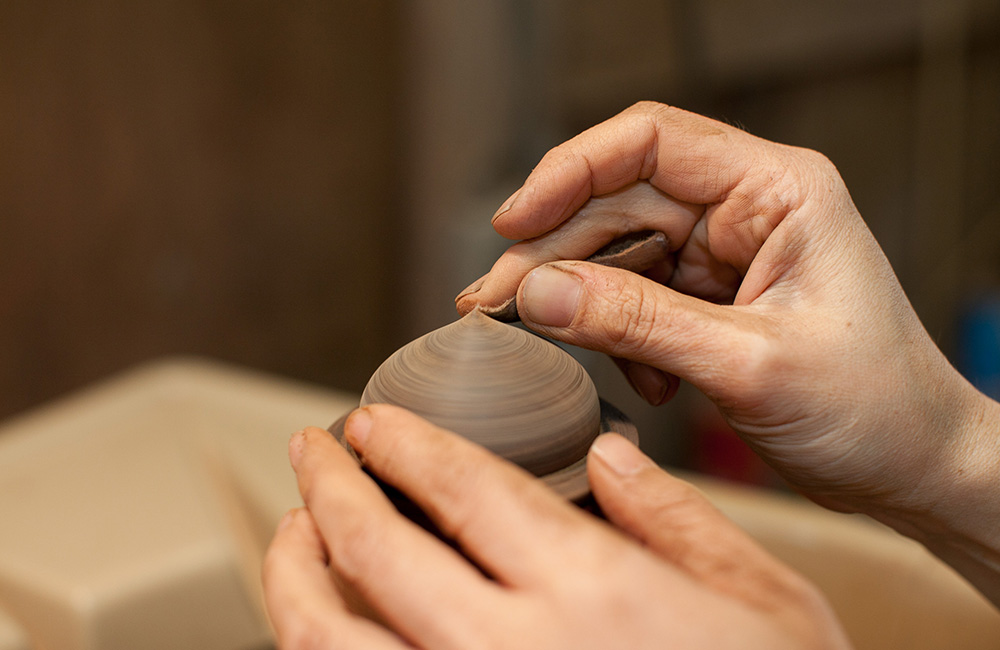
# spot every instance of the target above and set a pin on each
(405, 574)
(652, 384)
(304, 607)
(674, 520)
(637, 207)
(700, 274)
(507, 521)
(689, 157)
(625, 315)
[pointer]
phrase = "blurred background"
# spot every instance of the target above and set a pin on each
(301, 187)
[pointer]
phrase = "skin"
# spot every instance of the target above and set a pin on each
(777, 303)
(664, 575)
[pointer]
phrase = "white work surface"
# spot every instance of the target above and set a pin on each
(135, 515)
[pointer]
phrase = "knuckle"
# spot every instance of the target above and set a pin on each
(753, 365)
(686, 509)
(817, 160)
(648, 107)
(630, 322)
(607, 582)
(462, 496)
(453, 505)
(556, 158)
(356, 543)
(817, 174)
(758, 359)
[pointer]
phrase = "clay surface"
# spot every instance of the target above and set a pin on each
(515, 393)
(511, 391)
(497, 385)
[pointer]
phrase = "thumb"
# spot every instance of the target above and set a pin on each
(628, 316)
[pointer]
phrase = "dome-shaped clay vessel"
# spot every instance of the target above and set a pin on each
(513, 392)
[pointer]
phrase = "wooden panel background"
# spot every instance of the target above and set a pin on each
(250, 180)
(195, 176)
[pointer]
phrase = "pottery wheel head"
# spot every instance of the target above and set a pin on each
(506, 389)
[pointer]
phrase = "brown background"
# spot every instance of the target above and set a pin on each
(303, 186)
(197, 177)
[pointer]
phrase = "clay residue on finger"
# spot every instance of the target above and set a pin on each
(633, 252)
(505, 312)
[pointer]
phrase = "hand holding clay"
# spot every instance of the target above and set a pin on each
(776, 302)
(555, 577)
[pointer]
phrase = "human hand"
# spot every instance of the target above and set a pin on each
(675, 573)
(777, 303)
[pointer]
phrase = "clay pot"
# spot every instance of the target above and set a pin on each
(511, 391)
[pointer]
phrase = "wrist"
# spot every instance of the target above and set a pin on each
(954, 507)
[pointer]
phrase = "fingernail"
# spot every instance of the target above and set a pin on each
(620, 455)
(505, 206)
(649, 382)
(551, 296)
(296, 447)
(472, 288)
(357, 428)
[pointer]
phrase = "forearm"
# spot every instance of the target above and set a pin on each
(957, 512)
(970, 508)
